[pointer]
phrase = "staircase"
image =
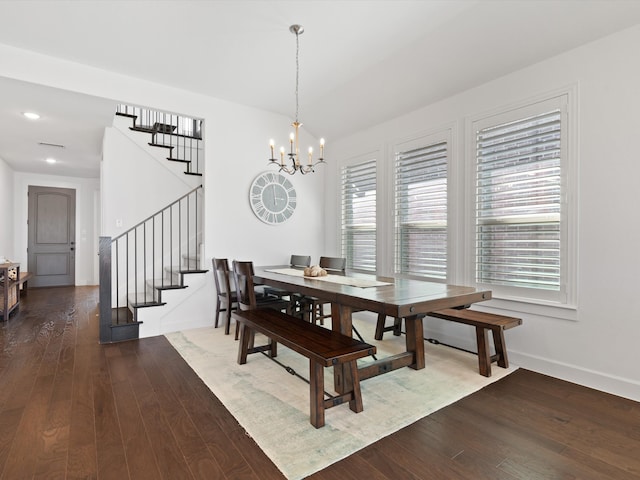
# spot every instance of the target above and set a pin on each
(180, 136)
(152, 265)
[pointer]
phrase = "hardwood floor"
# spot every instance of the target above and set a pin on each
(71, 408)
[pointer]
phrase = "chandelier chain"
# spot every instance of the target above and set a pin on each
(297, 70)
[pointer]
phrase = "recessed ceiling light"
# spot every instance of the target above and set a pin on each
(50, 160)
(31, 115)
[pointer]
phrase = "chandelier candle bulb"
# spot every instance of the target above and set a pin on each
(310, 154)
(321, 148)
(272, 144)
(282, 156)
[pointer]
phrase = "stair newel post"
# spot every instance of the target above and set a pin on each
(180, 237)
(105, 288)
(188, 235)
(195, 229)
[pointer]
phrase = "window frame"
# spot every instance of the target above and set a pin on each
(563, 303)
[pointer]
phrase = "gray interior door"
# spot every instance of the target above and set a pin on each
(52, 236)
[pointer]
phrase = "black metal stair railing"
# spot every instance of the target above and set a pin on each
(180, 135)
(137, 265)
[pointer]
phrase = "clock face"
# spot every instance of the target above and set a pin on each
(273, 198)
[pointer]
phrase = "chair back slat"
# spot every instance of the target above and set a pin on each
(333, 263)
(300, 260)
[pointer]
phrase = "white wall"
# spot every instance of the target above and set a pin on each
(86, 234)
(134, 184)
(600, 348)
(6, 211)
(236, 151)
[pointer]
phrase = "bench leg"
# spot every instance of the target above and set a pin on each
(355, 404)
(484, 359)
(501, 351)
(380, 326)
(316, 394)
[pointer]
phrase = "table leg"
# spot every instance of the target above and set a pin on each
(415, 340)
(341, 322)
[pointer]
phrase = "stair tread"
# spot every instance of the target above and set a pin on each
(163, 127)
(178, 160)
(147, 304)
(122, 325)
(171, 147)
(129, 115)
(141, 129)
(193, 271)
(170, 287)
(193, 173)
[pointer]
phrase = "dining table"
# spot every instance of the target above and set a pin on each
(395, 296)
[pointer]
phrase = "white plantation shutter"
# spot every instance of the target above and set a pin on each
(421, 211)
(518, 203)
(359, 215)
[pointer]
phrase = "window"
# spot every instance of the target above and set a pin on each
(520, 235)
(421, 210)
(358, 182)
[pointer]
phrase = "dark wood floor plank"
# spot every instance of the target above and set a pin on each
(137, 446)
(111, 458)
(81, 453)
(375, 456)
(52, 455)
(201, 463)
(9, 421)
(136, 410)
(169, 458)
(198, 402)
(574, 429)
(28, 435)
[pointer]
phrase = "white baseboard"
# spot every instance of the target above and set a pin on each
(622, 387)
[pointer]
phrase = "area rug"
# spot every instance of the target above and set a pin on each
(272, 405)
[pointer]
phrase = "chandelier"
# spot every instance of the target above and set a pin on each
(293, 163)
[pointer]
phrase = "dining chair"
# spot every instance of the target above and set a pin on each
(227, 300)
(312, 307)
(247, 299)
(295, 261)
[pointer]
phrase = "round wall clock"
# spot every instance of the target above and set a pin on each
(273, 198)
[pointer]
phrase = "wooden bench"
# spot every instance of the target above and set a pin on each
(484, 321)
(323, 348)
(24, 278)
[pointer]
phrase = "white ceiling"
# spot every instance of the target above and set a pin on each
(368, 61)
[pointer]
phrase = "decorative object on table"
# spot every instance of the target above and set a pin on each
(315, 271)
(12, 273)
(296, 164)
(273, 198)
